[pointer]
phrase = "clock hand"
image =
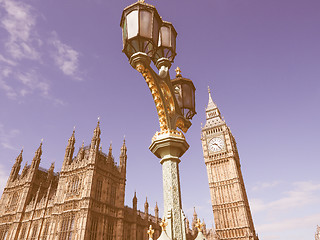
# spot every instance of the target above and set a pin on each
(217, 145)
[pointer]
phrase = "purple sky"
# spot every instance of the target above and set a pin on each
(61, 65)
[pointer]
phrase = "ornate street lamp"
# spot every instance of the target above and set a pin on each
(184, 92)
(146, 37)
(140, 25)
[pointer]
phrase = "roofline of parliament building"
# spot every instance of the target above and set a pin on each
(84, 201)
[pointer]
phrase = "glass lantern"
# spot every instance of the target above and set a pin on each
(167, 42)
(184, 91)
(140, 25)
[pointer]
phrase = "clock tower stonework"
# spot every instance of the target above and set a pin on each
(232, 216)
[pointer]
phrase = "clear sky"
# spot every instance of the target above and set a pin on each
(61, 66)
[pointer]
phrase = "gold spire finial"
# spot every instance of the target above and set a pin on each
(150, 232)
(209, 90)
(141, 1)
(199, 225)
(163, 224)
(178, 72)
(98, 119)
(41, 140)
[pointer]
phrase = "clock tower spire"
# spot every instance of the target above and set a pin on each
(213, 116)
(230, 205)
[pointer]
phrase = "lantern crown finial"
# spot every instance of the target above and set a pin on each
(178, 72)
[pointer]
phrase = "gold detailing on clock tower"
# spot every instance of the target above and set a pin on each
(232, 215)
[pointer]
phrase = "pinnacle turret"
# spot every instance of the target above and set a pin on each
(81, 152)
(146, 209)
(38, 153)
(24, 170)
(37, 157)
(51, 167)
(195, 215)
(194, 222)
(156, 212)
(110, 151)
(123, 148)
(123, 156)
(204, 227)
(50, 171)
(95, 142)
(19, 158)
(69, 149)
(16, 167)
(134, 201)
(72, 139)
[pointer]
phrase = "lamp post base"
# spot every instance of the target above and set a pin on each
(169, 145)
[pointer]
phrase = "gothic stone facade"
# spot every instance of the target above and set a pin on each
(85, 201)
(232, 216)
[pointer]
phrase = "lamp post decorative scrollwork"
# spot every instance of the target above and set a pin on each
(146, 38)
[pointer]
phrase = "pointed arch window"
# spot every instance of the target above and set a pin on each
(3, 233)
(34, 231)
(94, 228)
(67, 227)
(113, 194)
(74, 185)
(14, 200)
(23, 233)
(98, 189)
(110, 228)
(45, 234)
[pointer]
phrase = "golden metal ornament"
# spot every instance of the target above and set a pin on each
(150, 232)
(164, 101)
(155, 94)
(163, 224)
(178, 72)
(199, 225)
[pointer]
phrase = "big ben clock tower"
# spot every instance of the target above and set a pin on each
(232, 216)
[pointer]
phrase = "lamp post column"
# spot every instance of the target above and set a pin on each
(169, 146)
(146, 38)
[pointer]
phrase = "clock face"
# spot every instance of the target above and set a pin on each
(216, 144)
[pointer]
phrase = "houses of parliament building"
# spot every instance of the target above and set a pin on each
(85, 200)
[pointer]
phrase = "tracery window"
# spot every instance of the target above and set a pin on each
(98, 189)
(93, 229)
(23, 233)
(46, 231)
(34, 231)
(14, 200)
(67, 227)
(3, 233)
(113, 194)
(74, 185)
(110, 229)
